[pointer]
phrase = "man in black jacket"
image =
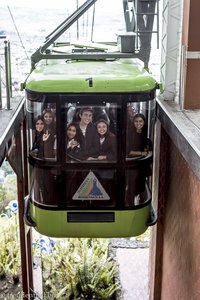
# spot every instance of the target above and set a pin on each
(88, 134)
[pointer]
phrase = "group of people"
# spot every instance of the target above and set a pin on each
(84, 139)
(89, 141)
(44, 135)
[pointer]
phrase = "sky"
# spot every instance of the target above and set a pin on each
(104, 5)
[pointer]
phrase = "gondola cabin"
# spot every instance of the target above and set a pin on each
(90, 128)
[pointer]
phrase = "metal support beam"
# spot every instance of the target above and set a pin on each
(52, 37)
(171, 48)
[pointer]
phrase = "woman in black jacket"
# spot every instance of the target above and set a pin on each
(73, 142)
(138, 147)
(37, 148)
(138, 143)
(107, 141)
(49, 133)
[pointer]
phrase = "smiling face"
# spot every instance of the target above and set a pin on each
(102, 128)
(39, 126)
(138, 123)
(71, 132)
(48, 118)
(86, 118)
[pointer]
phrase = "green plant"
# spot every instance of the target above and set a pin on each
(11, 187)
(9, 248)
(80, 269)
(2, 194)
(14, 269)
(7, 168)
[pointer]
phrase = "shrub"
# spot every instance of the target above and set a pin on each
(9, 248)
(80, 269)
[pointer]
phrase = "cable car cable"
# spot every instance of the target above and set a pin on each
(77, 23)
(93, 17)
(17, 31)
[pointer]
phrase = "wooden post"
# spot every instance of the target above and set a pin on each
(191, 42)
(17, 157)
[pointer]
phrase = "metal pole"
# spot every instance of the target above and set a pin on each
(7, 70)
(9, 64)
(1, 103)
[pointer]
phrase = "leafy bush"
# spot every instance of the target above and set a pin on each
(9, 248)
(80, 269)
(8, 191)
(74, 269)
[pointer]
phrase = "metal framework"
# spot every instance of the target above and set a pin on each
(171, 48)
(139, 18)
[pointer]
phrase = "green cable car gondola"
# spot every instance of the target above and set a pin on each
(90, 127)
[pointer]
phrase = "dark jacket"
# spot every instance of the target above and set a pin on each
(90, 142)
(108, 147)
(73, 153)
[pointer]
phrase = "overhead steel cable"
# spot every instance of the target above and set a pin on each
(17, 31)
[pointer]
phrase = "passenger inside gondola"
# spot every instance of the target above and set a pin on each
(89, 139)
(50, 133)
(44, 184)
(38, 133)
(138, 146)
(73, 142)
(107, 141)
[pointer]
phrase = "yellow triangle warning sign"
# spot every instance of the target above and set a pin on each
(91, 189)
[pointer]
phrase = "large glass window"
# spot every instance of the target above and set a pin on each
(139, 147)
(140, 119)
(74, 158)
(91, 189)
(45, 187)
(91, 132)
(42, 127)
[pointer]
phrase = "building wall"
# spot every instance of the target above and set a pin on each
(177, 251)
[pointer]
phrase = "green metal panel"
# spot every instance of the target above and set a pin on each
(123, 75)
(127, 223)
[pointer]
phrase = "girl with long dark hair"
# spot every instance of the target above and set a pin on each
(73, 142)
(107, 141)
(137, 141)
